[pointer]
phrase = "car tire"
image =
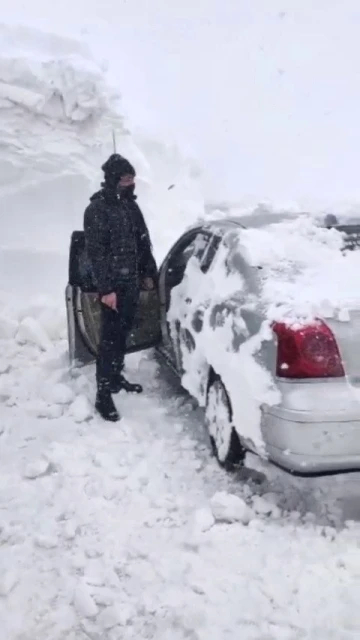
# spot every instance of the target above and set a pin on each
(224, 440)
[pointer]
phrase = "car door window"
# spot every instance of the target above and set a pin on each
(241, 279)
(193, 246)
(200, 244)
(234, 261)
(209, 253)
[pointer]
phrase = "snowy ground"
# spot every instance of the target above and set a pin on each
(112, 532)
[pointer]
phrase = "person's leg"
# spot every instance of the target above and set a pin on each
(107, 346)
(104, 363)
(127, 305)
(125, 320)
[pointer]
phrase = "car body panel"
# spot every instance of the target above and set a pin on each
(313, 443)
(316, 428)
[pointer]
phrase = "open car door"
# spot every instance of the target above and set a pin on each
(83, 311)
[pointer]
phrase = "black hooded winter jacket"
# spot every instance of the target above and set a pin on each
(117, 240)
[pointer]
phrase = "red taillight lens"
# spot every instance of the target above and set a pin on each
(307, 352)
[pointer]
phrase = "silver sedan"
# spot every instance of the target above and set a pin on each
(291, 396)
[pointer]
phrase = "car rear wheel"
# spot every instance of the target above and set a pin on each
(218, 419)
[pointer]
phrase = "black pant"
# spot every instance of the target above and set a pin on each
(115, 327)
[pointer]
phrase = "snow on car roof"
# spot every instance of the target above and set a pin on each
(305, 273)
(260, 217)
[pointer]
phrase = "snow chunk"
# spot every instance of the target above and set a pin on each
(80, 410)
(344, 315)
(46, 542)
(204, 519)
(60, 393)
(4, 366)
(69, 531)
(8, 580)
(83, 602)
(36, 469)
(5, 390)
(114, 616)
(227, 507)
(31, 331)
(11, 535)
(53, 322)
(53, 412)
(104, 598)
(41, 409)
(8, 328)
(263, 506)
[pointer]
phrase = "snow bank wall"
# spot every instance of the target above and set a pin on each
(57, 114)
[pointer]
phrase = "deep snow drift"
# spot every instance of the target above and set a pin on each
(57, 115)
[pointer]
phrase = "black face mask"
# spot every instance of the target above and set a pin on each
(127, 192)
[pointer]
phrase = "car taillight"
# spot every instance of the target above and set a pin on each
(307, 352)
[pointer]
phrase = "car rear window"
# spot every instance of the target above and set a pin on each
(350, 231)
(351, 235)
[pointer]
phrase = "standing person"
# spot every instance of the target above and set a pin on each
(120, 256)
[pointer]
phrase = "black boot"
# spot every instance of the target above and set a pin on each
(118, 383)
(105, 406)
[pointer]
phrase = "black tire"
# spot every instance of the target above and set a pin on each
(224, 440)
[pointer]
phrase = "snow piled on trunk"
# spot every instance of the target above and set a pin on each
(57, 114)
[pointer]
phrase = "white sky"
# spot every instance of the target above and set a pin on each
(266, 93)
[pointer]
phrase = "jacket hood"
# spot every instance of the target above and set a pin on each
(111, 195)
(97, 196)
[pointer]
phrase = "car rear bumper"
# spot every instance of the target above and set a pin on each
(307, 443)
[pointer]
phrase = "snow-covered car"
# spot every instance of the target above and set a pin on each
(260, 318)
